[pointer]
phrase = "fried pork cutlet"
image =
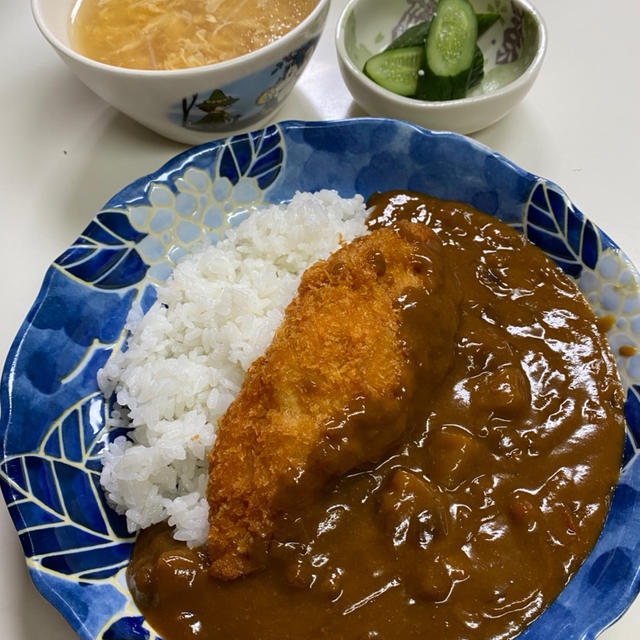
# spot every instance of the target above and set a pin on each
(334, 389)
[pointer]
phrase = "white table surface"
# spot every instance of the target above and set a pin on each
(64, 152)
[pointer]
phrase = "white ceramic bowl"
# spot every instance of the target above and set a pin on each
(513, 48)
(169, 102)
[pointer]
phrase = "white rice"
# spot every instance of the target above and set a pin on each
(188, 355)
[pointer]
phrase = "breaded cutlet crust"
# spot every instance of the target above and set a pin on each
(340, 340)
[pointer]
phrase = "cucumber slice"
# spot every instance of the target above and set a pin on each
(406, 73)
(417, 34)
(486, 21)
(396, 70)
(450, 48)
(413, 37)
(452, 38)
(477, 69)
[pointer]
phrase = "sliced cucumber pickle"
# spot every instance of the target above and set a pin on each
(437, 59)
(452, 38)
(417, 34)
(450, 49)
(414, 36)
(477, 69)
(486, 21)
(397, 69)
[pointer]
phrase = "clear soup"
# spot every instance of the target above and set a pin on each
(176, 34)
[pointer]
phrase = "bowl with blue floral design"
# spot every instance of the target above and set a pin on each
(194, 104)
(54, 419)
(513, 49)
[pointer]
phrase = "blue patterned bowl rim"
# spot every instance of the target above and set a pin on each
(53, 418)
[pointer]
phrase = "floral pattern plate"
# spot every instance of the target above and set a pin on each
(53, 417)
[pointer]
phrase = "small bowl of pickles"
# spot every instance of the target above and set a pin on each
(454, 65)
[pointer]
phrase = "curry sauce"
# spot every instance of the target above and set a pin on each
(478, 517)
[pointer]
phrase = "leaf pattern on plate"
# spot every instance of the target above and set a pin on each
(551, 223)
(105, 255)
(129, 628)
(632, 414)
(256, 155)
(54, 495)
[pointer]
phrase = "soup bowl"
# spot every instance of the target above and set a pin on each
(513, 49)
(195, 104)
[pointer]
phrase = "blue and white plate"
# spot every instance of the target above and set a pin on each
(53, 417)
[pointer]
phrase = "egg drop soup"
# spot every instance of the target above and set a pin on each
(176, 34)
